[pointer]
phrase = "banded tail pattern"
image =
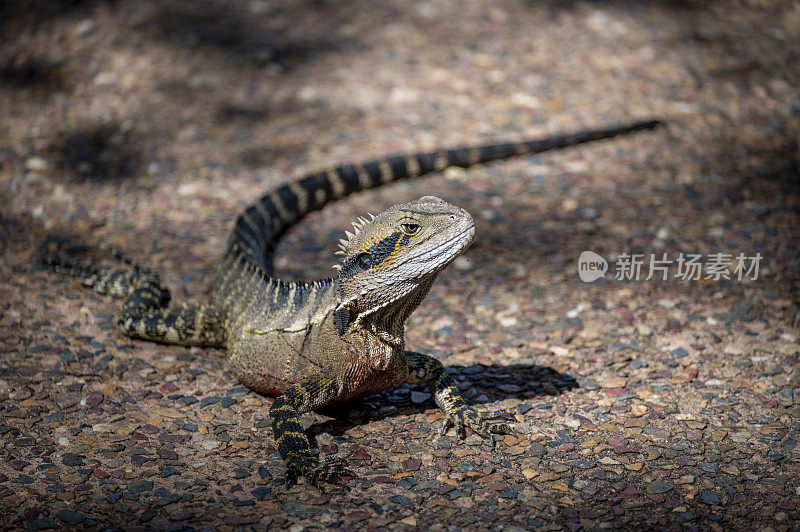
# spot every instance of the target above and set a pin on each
(260, 225)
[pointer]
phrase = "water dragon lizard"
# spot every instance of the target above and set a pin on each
(330, 340)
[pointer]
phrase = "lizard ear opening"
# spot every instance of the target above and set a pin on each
(341, 320)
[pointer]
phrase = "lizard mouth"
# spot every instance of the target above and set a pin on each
(446, 252)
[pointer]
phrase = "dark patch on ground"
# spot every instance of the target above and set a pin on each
(30, 73)
(32, 14)
(102, 152)
(244, 34)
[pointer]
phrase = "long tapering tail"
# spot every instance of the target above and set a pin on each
(260, 225)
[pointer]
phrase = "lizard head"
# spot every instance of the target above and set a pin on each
(399, 253)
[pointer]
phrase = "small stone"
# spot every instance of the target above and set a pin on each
(588, 384)
(72, 459)
(411, 465)
(523, 408)
(730, 469)
(43, 523)
(22, 393)
(246, 502)
(148, 514)
(709, 497)
(719, 435)
(94, 398)
(66, 400)
(741, 436)
(679, 353)
(167, 412)
(168, 471)
(657, 487)
(141, 486)
(71, 518)
(36, 164)
(614, 382)
(400, 499)
(419, 397)
(210, 400)
(227, 402)
(167, 454)
(55, 417)
(406, 483)
(462, 263)
(709, 467)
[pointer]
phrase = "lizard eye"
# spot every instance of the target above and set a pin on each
(410, 228)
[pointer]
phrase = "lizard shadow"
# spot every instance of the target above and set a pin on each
(479, 384)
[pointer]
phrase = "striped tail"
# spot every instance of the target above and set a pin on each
(260, 225)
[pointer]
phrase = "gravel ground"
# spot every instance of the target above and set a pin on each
(660, 404)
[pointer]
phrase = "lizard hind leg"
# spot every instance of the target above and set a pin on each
(144, 310)
(145, 315)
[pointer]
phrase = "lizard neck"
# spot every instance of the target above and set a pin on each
(387, 324)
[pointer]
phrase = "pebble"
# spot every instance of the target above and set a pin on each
(679, 353)
(72, 459)
(400, 499)
(169, 471)
(741, 436)
(709, 497)
(43, 523)
(70, 517)
(657, 487)
(66, 400)
(141, 486)
(227, 402)
(419, 397)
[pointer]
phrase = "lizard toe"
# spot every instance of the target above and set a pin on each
(468, 417)
(500, 428)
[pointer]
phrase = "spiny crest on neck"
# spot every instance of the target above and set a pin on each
(358, 226)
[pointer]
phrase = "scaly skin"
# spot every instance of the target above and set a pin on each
(336, 339)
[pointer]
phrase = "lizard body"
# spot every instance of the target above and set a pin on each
(335, 339)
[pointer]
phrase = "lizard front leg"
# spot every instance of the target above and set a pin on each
(293, 445)
(425, 369)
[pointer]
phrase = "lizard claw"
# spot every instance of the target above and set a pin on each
(466, 416)
(448, 422)
(332, 471)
